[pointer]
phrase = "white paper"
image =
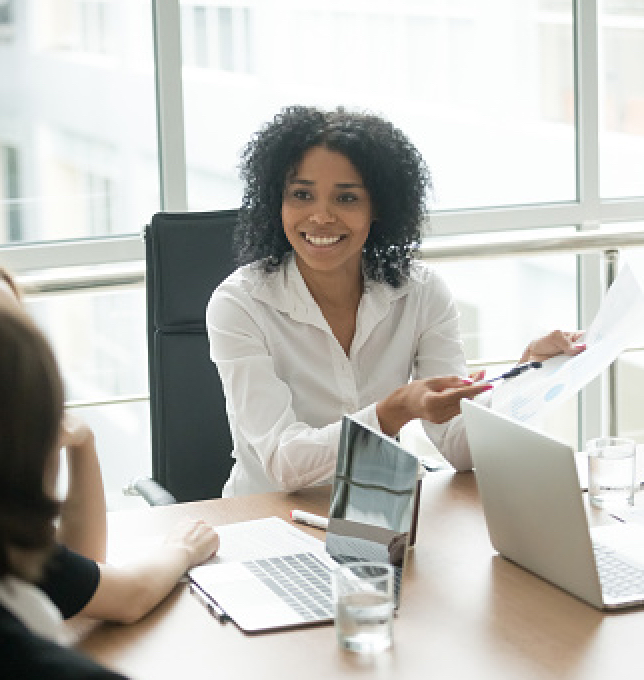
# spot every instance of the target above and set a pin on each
(618, 324)
(259, 538)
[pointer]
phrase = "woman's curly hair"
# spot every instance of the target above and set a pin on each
(392, 169)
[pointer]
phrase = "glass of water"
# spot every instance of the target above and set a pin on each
(611, 471)
(363, 600)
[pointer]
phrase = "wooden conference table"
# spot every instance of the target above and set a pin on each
(465, 611)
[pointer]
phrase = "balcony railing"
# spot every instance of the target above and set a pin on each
(434, 248)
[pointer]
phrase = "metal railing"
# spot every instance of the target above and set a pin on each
(434, 248)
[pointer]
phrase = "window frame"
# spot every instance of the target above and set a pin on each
(587, 213)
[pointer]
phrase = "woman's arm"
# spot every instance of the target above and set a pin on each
(127, 593)
(83, 524)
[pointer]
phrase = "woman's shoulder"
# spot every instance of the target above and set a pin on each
(424, 277)
(244, 278)
(246, 286)
(421, 272)
(241, 283)
(26, 655)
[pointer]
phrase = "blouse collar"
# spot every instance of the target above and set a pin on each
(286, 291)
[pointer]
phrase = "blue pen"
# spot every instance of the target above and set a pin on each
(517, 370)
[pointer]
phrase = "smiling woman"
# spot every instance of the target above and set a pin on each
(329, 314)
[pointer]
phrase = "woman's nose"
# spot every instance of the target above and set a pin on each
(321, 217)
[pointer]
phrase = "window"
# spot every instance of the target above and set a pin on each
(11, 218)
(216, 38)
(77, 121)
(622, 101)
(485, 91)
(529, 115)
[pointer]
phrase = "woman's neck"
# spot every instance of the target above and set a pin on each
(334, 289)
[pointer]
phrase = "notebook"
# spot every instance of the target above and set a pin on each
(535, 513)
(270, 575)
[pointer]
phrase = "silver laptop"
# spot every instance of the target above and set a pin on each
(535, 514)
(288, 584)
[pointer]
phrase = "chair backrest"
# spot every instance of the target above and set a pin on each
(188, 255)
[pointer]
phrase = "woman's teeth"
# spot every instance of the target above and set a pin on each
(322, 240)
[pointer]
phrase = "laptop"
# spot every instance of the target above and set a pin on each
(535, 514)
(270, 575)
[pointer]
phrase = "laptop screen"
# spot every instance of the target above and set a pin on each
(372, 498)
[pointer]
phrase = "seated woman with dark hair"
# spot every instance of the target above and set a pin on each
(31, 408)
(59, 546)
(330, 313)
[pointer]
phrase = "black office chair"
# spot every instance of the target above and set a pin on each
(187, 255)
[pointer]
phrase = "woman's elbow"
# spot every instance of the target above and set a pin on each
(121, 597)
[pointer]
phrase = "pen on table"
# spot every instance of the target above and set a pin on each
(212, 608)
(517, 370)
(310, 519)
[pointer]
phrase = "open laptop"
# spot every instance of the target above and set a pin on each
(535, 514)
(269, 575)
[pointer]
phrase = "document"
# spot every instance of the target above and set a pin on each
(618, 324)
(260, 538)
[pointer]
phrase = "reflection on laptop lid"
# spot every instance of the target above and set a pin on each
(535, 514)
(288, 584)
(372, 500)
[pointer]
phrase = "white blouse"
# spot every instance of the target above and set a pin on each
(288, 382)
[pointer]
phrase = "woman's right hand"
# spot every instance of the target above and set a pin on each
(434, 399)
(439, 399)
(197, 538)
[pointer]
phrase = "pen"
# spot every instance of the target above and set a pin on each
(212, 608)
(310, 519)
(517, 370)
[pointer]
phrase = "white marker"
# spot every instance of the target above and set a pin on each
(310, 519)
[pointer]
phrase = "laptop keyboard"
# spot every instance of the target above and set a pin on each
(617, 577)
(302, 581)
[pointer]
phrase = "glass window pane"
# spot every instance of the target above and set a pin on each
(99, 339)
(630, 373)
(630, 363)
(485, 90)
(123, 446)
(504, 304)
(78, 154)
(622, 98)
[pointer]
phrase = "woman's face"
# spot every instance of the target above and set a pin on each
(326, 213)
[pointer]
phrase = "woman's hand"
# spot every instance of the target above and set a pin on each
(75, 434)
(199, 540)
(434, 399)
(556, 342)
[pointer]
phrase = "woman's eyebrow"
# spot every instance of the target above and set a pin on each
(349, 185)
(339, 185)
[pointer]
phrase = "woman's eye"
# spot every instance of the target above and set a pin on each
(301, 194)
(347, 198)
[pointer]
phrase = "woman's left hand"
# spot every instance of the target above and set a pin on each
(556, 342)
